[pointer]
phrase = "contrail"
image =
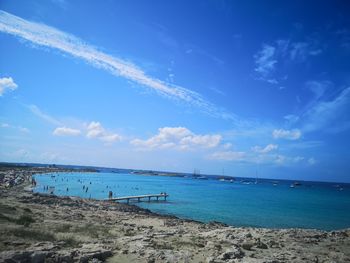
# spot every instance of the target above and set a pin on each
(51, 37)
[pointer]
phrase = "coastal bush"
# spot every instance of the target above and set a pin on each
(88, 229)
(63, 228)
(24, 220)
(7, 209)
(158, 245)
(68, 239)
(193, 242)
(129, 232)
(31, 234)
(3, 217)
(26, 209)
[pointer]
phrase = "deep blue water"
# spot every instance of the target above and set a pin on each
(312, 205)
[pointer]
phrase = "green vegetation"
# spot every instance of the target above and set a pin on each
(31, 234)
(24, 220)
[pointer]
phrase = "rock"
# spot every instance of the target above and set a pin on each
(66, 258)
(230, 236)
(274, 244)
(248, 235)
(247, 246)
(15, 256)
(101, 255)
(232, 253)
(210, 260)
(38, 257)
(262, 245)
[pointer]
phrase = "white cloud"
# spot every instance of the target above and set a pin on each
(227, 156)
(267, 149)
(65, 131)
(111, 138)
(286, 134)
(23, 129)
(35, 110)
(5, 125)
(96, 130)
(47, 36)
(265, 60)
(298, 159)
(312, 161)
(178, 138)
(7, 84)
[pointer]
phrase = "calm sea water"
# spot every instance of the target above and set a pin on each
(312, 205)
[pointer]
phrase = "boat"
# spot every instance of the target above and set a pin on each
(293, 185)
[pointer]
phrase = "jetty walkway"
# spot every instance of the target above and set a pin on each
(139, 197)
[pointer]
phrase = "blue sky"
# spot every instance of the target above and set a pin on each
(178, 85)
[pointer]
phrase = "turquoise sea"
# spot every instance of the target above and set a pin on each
(266, 203)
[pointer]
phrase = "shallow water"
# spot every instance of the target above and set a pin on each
(312, 205)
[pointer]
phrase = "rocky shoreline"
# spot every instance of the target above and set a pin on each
(43, 228)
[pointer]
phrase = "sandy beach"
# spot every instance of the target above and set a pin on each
(39, 228)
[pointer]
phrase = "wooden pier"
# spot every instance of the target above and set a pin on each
(139, 197)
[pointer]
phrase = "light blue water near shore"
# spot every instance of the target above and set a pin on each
(312, 205)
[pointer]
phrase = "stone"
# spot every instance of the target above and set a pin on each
(247, 246)
(232, 253)
(262, 245)
(101, 255)
(38, 257)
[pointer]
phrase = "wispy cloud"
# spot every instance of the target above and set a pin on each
(331, 115)
(265, 62)
(36, 111)
(318, 88)
(179, 138)
(19, 128)
(47, 36)
(7, 84)
(65, 131)
(286, 134)
(268, 148)
(272, 57)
